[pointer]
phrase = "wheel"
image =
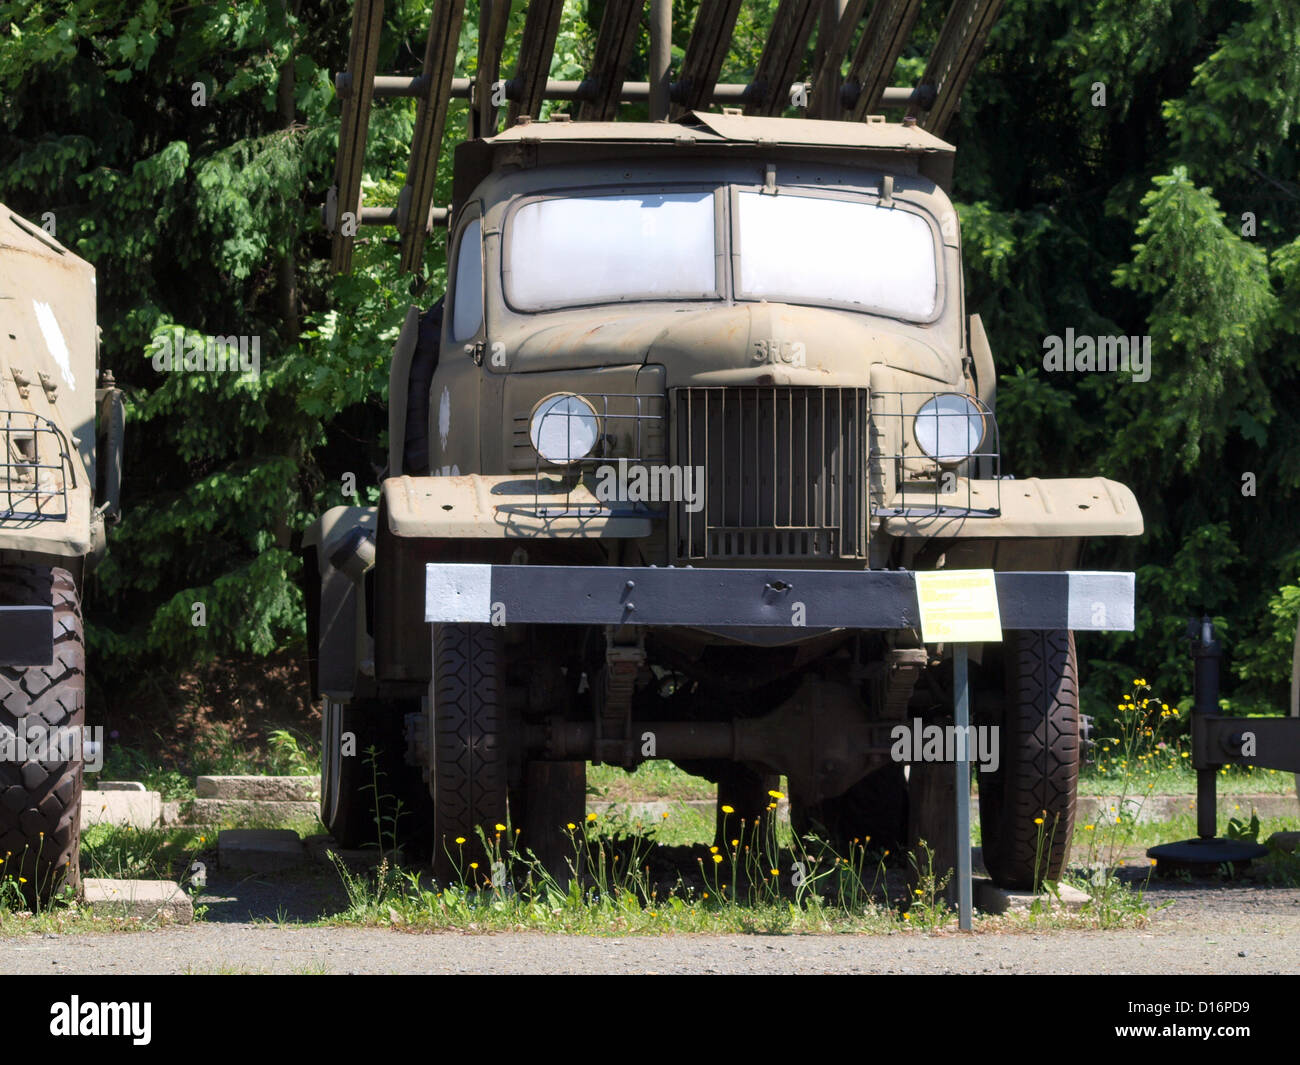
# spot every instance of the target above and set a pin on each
(40, 798)
(468, 756)
(351, 780)
(874, 809)
(1038, 767)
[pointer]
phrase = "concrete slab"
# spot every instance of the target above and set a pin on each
(260, 850)
(275, 811)
(139, 809)
(121, 785)
(145, 899)
(273, 789)
(993, 899)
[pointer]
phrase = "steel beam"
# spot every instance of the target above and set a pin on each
(783, 53)
(755, 598)
(955, 56)
(615, 44)
(536, 50)
(883, 39)
(824, 101)
(494, 19)
(430, 122)
(705, 51)
(363, 57)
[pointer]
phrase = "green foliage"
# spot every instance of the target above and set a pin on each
(1171, 211)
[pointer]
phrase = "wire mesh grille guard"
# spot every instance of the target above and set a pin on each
(906, 482)
(784, 470)
(629, 434)
(33, 486)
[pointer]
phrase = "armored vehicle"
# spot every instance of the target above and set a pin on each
(705, 351)
(59, 493)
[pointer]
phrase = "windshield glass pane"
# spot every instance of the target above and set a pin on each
(595, 249)
(805, 249)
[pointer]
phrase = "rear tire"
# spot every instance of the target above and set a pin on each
(1038, 770)
(468, 754)
(40, 800)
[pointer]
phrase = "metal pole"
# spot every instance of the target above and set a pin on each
(961, 696)
(1206, 653)
(661, 54)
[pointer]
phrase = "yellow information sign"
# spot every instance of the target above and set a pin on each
(959, 606)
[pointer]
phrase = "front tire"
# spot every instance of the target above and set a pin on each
(469, 777)
(1038, 772)
(40, 799)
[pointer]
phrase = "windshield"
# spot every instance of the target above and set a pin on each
(601, 249)
(787, 247)
(812, 249)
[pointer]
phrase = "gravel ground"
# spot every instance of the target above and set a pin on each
(1208, 927)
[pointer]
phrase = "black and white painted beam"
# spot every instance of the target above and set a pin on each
(772, 598)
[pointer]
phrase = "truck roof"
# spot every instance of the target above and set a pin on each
(534, 143)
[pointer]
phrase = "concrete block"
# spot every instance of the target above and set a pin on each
(264, 789)
(993, 899)
(139, 809)
(145, 899)
(260, 850)
(215, 811)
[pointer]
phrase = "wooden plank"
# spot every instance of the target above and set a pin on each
(430, 122)
(955, 57)
(363, 56)
(882, 43)
(536, 50)
(705, 51)
(615, 44)
(493, 21)
(783, 54)
(824, 100)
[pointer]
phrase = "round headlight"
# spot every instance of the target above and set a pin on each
(564, 428)
(949, 428)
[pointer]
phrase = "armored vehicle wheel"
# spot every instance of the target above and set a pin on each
(468, 756)
(40, 797)
(873, 812)
(1039, 762)
(360, 796)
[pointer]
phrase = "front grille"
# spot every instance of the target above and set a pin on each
(34, 463)
(784, 469)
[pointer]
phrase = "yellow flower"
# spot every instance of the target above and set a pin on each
(1038, 820)
(776, 794)
(713, 850)
(717, 859)
(473, 865)
(572, 826)
(1089, 828)
(664, 815)
(704, 896)
(500, 828)
(735, 843)
(22, 880)
(728, 810)
(907, 917)
(916, 891)
(776, 872)
(591, 818)
(460, 840)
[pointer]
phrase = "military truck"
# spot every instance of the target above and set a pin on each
(720, 342)
(60, 481)
(700, 406)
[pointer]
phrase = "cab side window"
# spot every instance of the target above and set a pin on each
(467, 308)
